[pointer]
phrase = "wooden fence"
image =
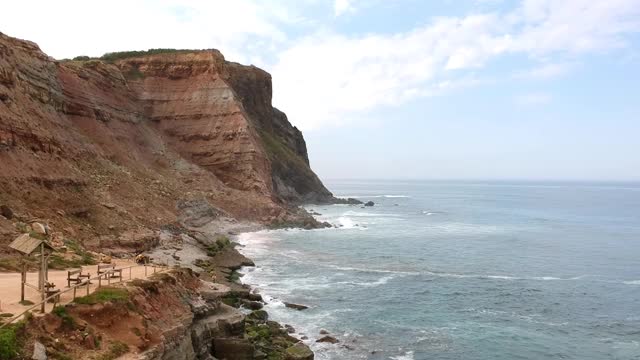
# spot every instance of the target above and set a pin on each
(107, 275)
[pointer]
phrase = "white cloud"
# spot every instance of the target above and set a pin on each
(324, 77)
(341, 6)
(546, 71)
(533, 99)
(75, 27)
(329, 78)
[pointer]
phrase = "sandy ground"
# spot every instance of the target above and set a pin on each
(10, 285)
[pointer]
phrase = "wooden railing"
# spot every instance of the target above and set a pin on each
(107, 275)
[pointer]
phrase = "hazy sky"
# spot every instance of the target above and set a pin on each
(531, 89)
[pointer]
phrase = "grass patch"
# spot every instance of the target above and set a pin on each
(61, 312)
(26, 302)
(6, 315)
(9, 341)
(58, 262)
(103, 295)
(82, 258)
(116, 349)
(86, 257)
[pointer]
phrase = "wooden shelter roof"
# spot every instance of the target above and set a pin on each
(27, 244)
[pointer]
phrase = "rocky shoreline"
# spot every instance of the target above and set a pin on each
(210, 251)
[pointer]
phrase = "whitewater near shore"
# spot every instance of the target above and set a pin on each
(460, 271)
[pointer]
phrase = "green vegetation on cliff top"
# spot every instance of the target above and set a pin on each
(119, 55)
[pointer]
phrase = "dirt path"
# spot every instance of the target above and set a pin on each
(10, 285)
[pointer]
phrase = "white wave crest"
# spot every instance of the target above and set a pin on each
(373, 196)
(406, 356)
(632, 282)
(378, 282)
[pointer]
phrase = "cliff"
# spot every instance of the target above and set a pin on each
(110, 150)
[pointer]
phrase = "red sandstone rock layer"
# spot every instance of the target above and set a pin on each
(101, 149)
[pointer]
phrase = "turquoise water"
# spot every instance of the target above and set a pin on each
(462, 270)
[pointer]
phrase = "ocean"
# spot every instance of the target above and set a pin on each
(461, 270)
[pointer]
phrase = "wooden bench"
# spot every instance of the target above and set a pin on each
(76, 276)
(50, 290)
(110, 268)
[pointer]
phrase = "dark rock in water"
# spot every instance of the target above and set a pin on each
(304, 337)
(253, 305)
(289, 329)
(324, 332)
(369, 203)
(229, 348)
(296, 306)
(299, 351)
(6, 212)
(328, 339)
(254, 297)
(348, 201)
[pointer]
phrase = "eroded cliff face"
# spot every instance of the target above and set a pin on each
(104, 149)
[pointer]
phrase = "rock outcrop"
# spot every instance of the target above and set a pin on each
(173, 315)
(109, 148)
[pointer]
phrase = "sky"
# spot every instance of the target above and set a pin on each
(405, 89)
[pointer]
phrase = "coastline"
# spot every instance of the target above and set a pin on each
(319, 339)
(225, 268)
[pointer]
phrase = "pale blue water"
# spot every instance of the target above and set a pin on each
(462, 270)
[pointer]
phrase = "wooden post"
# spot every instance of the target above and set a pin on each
(130, 273)
(24, 279)
(100, 281)
(108, 275)
(74, 292)
(43, 269)
(88, 284)
(145, 269)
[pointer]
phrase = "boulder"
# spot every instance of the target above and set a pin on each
(252, 305)
(290, 329)
(295, 306)
(233, 349)
(324, 332)
(6, 212)
(369, 203)
(254, 297)
(299, 351)
(348, 201)
(39, 228)
(259, 315)
(39, 351)
(328, 339)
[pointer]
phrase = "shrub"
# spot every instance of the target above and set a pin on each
(114, 56)
(9, 342)
(223, 241)
(61, 312)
